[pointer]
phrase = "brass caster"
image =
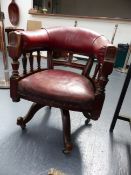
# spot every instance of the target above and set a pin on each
(68, 148)
(21, 123)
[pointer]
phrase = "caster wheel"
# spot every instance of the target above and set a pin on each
(21, 123)
(66, 152)
(87, 121)
(68, 148)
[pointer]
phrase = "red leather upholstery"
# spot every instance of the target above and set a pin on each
(58, 87)
(31, 39)
(78, 40)
(73, 39)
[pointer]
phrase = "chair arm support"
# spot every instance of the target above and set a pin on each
(15, 45)
(105, 71)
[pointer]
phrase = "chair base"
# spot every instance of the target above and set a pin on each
(68, 146)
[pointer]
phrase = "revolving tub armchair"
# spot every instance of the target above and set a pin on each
(60, 88)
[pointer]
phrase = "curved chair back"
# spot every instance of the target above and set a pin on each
(61, 88)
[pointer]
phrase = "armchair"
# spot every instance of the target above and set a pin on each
(58, 88)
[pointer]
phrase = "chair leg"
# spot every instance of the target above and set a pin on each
(33, 109)
(66, 131)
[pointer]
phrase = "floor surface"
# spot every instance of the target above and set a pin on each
(39, 148)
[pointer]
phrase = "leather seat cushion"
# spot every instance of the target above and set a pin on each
(58, 88)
